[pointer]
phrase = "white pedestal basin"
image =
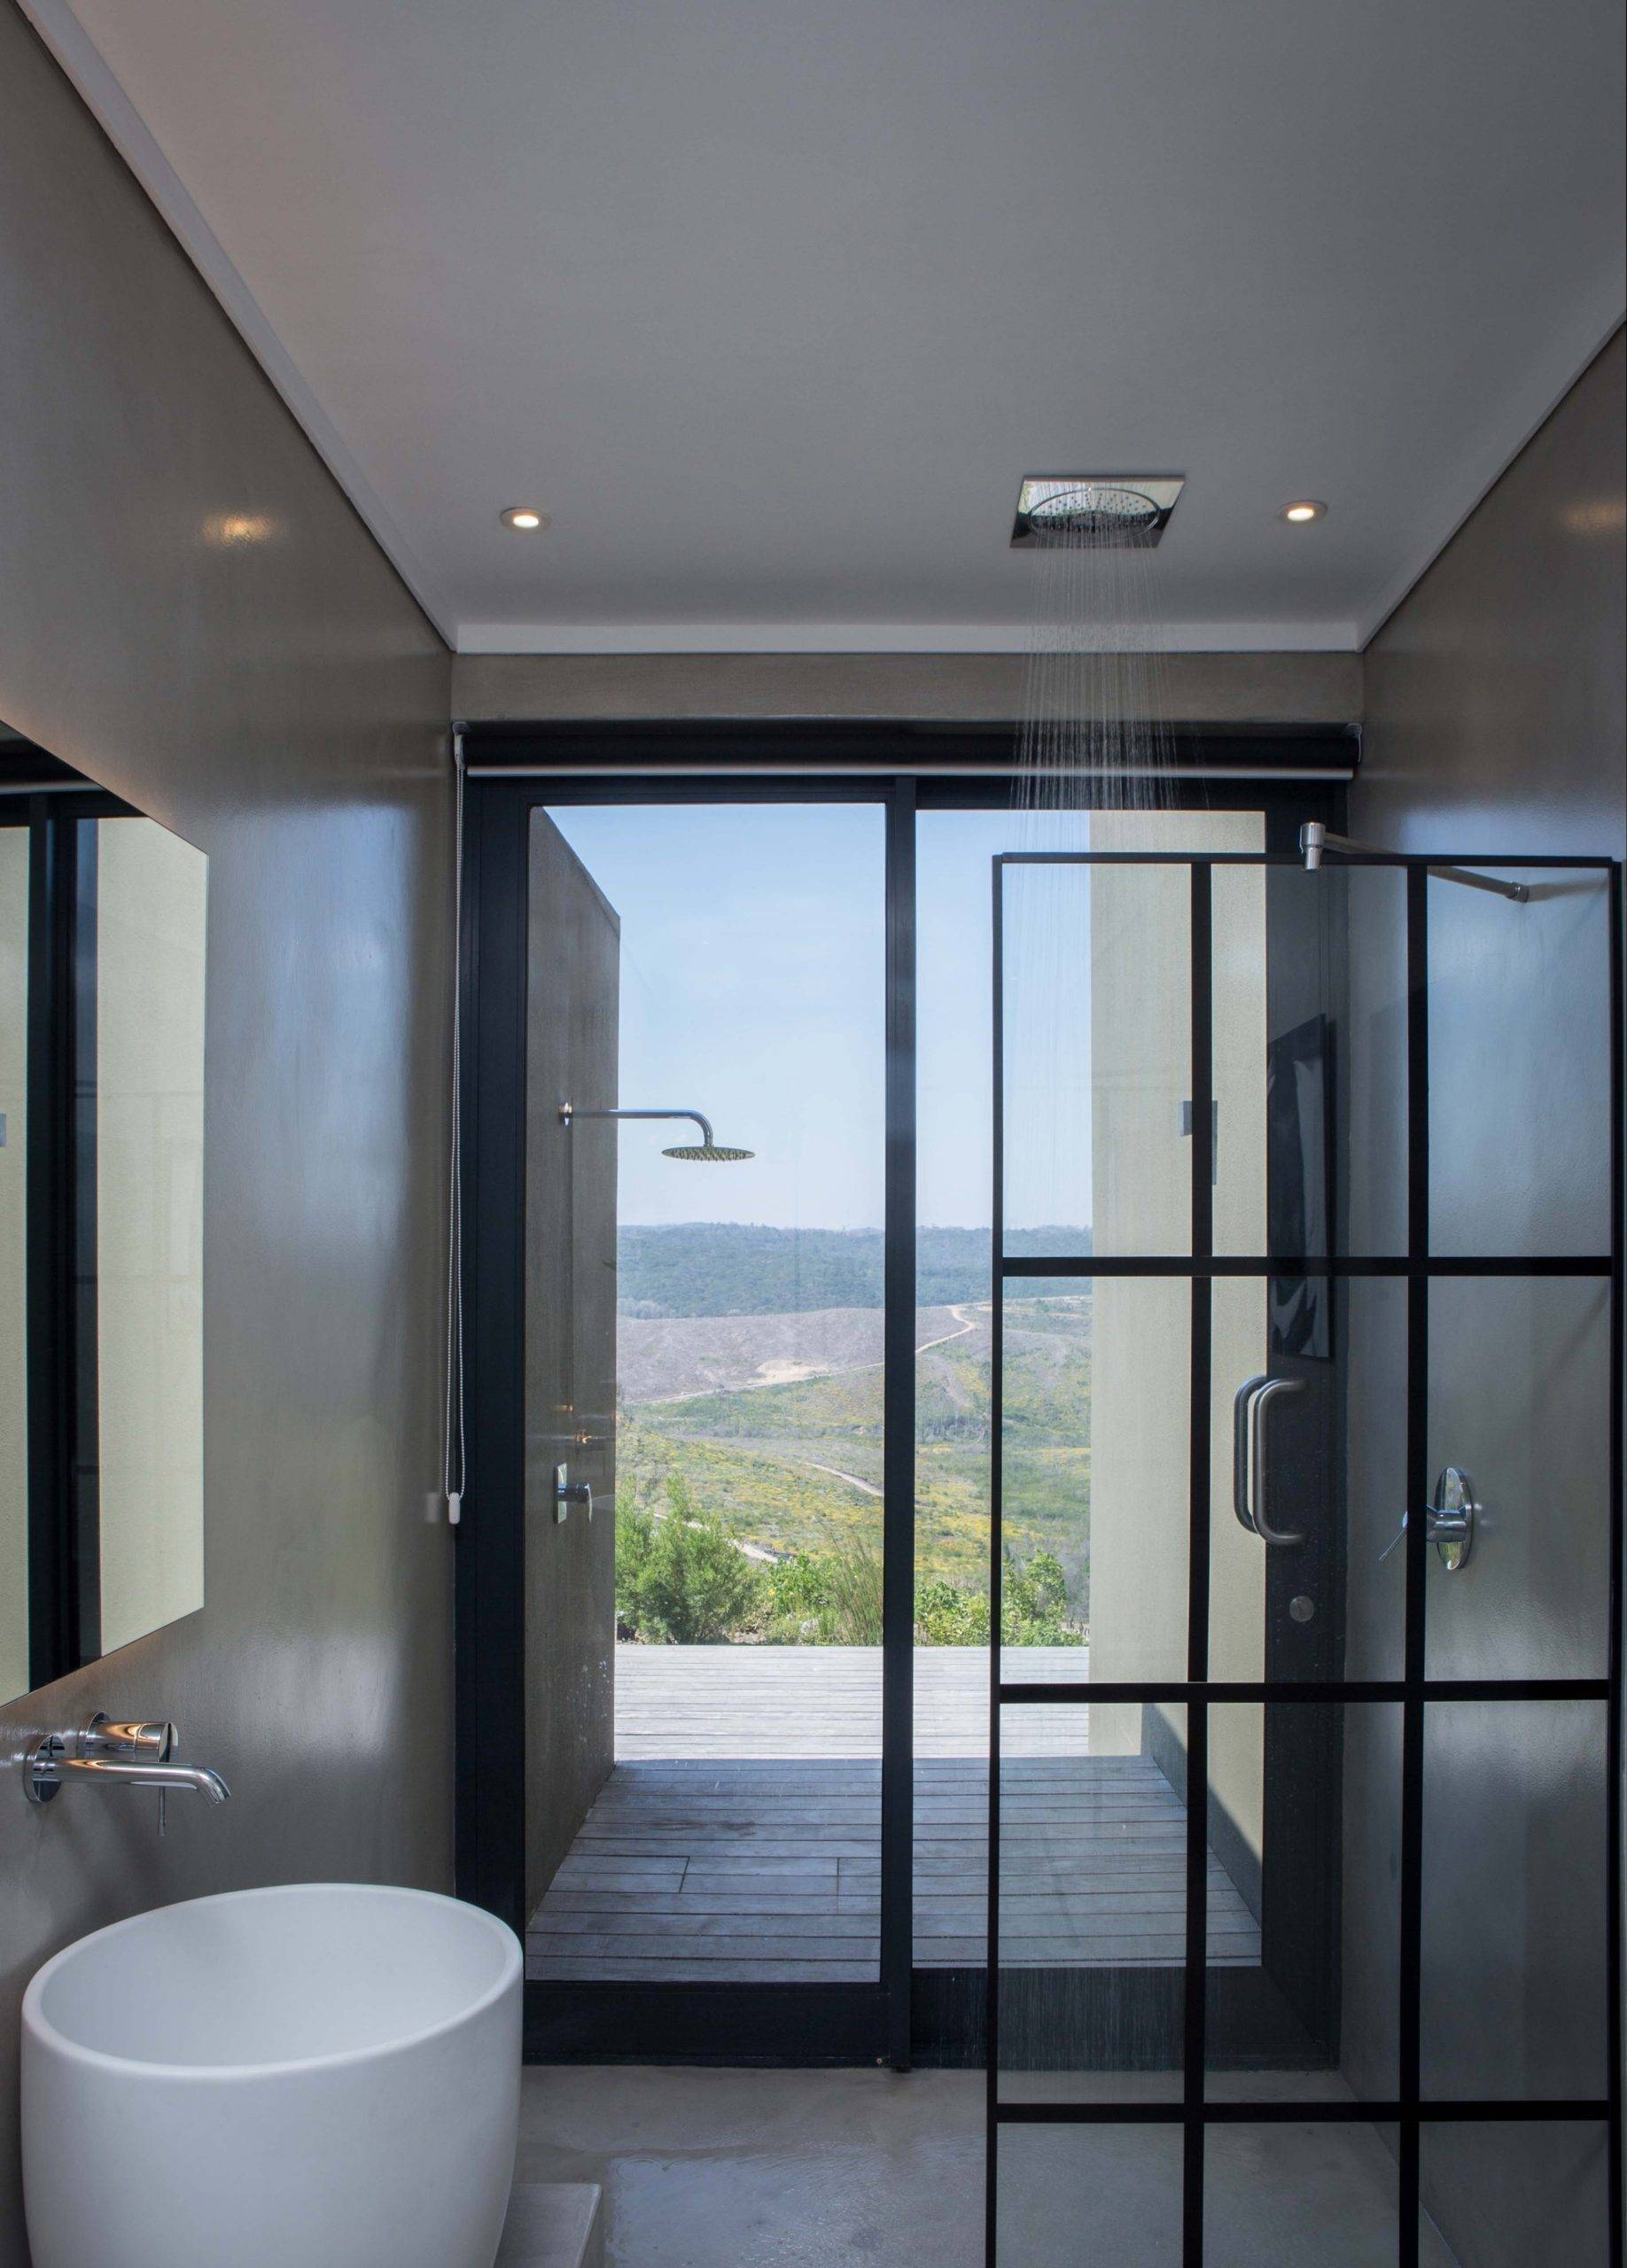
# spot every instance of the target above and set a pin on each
(321, 2076)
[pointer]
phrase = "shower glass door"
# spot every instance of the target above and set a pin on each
(1303, 1897)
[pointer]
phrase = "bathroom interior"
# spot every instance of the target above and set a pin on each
(812, 1168)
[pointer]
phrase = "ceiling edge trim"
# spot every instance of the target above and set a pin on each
(82, 61)
(629, 638)
(1557, 372)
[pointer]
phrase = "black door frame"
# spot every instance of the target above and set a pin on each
(925, 2014)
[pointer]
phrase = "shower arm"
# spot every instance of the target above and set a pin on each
(568, 1113)
(1314, 839)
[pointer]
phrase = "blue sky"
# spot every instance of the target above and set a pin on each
(753, 959)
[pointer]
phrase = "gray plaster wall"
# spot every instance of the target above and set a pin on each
(1495, 721)
(190, 612)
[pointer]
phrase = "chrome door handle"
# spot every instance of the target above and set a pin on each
(1248, 1407)
(1241, 1400)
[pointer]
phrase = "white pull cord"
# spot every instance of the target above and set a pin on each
(455, 1461)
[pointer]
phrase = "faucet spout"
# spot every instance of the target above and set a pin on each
(198, 1778)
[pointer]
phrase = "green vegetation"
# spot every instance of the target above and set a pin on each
(1034, 1608)
(679, 1579)
(730, 1267)
(793, 1472)
(752, 1513)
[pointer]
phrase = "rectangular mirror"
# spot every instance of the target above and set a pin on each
(102, 916)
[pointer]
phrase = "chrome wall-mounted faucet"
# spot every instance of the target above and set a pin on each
(118, 1755)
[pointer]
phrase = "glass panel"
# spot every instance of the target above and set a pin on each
(14, 1677)
(955, 1099)
(1532, 2191)
(149, 892)
(1515, 1928)
(1096, 1521)
(1310, 1060)
(726, 1316)
(1092, 1909)
(1321, 1459)
(1097, 1038)
(1283, 2196)
(1088, 2197)
(1303, 1830)
(1519, 1403)
(1520, 1065)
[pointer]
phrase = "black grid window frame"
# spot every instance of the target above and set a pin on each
(1408, 2111)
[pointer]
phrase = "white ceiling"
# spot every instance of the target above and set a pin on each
(771, 303)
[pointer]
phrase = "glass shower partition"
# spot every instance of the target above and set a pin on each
(1304, 1940)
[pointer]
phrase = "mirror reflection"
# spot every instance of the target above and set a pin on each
(102, 981)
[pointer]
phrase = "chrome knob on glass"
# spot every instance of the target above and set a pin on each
(1449, 1522)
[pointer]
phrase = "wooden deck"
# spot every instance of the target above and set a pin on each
(738, 1837)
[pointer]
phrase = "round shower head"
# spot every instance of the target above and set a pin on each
(1105, 515)
(708, 1154)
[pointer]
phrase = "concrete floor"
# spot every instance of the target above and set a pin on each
(774, 2168)
(753, 2169)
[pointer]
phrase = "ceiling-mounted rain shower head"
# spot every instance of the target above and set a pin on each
(1116, 509)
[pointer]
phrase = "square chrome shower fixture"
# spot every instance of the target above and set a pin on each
(1115, 507)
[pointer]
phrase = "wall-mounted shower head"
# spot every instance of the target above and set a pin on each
(707, 1151)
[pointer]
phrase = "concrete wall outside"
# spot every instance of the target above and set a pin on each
(1141, 1016)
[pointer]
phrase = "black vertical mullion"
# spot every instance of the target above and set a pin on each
(898, 1433)
(1196, 2012)
(83, 1383)
(52, 1614)
(996, 1523)
(1614, 1916)
(1409, 2012)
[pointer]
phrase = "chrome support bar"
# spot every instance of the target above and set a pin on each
(1315, 839)
(569, 1113)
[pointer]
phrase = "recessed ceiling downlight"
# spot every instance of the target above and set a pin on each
(1304, 510)
(525, 517)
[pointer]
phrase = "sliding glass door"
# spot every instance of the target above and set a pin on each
(723, 1573)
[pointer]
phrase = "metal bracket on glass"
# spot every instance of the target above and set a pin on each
(1248, 1407)
(1449, 1522)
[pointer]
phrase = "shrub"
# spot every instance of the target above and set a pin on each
(680, 1580)
(827, 1598)
(1034, 1608)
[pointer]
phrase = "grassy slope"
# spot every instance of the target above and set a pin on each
(752, 1457)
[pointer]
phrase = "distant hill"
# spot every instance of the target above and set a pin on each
(728, 1268)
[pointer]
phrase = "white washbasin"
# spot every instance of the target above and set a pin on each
(320, 2076)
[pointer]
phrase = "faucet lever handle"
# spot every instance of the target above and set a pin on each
(102, 1736)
